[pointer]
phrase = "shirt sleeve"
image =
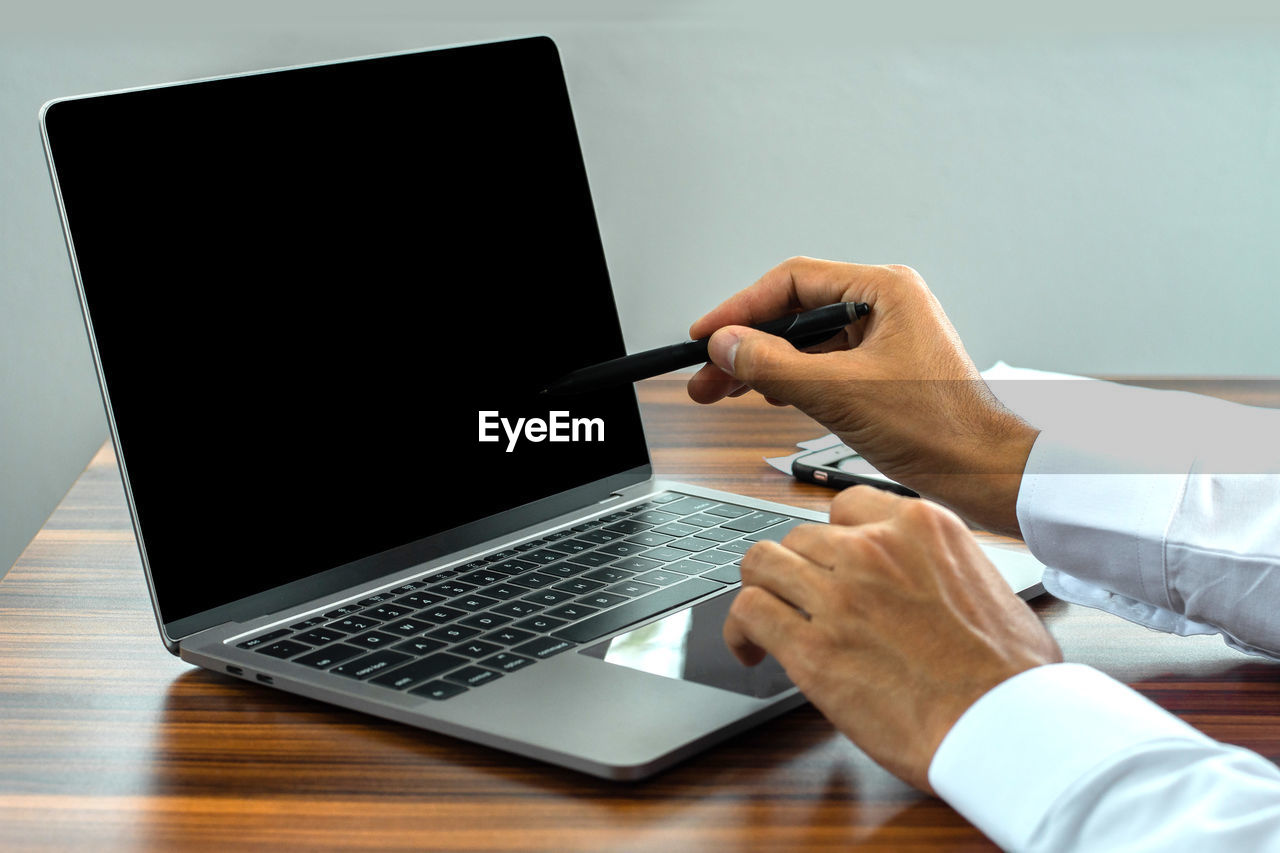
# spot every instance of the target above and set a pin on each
(1064, 758)
(1166, 512)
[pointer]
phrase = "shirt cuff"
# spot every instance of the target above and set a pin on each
(1014, 753)
(1096, 514)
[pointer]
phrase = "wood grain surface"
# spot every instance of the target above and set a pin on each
(109, 743)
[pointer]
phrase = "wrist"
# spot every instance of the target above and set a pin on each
(984, 475)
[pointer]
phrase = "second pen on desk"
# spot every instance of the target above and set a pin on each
(802, 330)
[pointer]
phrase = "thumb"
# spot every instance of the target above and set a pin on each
(766, 362)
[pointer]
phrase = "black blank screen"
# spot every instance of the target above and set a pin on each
(304, 285)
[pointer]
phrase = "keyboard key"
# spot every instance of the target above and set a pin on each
(716, 557)
(738, 546)
(540, 624)
(753, 521)
(345, 610)
(320, 636)
(559, 534)
(703, 520)
(632, 527)
(631, 588)
(565, 569)
(475, 564)
(602, 599)
(373, 640)
(472, 603)
(506, 662)
(370, 665)
(729, 511)
(636, 610)
(438, 615)
(476, 649)
(650, 539)
(777, 531)
(660, 577)
(438, 690)
(572, 546)
(517, 608)
(514, 567)
(677, 528)
(354, 624)
(329, 655)
(419, 600)
(453, 633)
(656, 516)
(547, 597)
(502, 555)
(508, 636)
(375, 599)
(310, 623)
(571, 612)
(451, 588)
(533, 580)
(418, 646)
(664, 497)
(264, 639)
(543, 556)
(484, 621)
(665, 554)
(688, 505)
(579, 586)
(686, 567)
(503, 591)
(608, 575)
(621, 549)
(592, 559)
(405, 627)
(544, 647)
(388, 611)
(718, 534)
(636, 564)
(693, 543)
(473, 676)
(724, 574)
(483, 577)
(419, 670)
(600, 537)
(282, 649)
(529, 546)
(409, 587)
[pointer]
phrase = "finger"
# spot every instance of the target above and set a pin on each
(819, 544)
(864, 505)
(795, 284)
(759, 623)
(711, 383)
(791, 577)
(773, 366)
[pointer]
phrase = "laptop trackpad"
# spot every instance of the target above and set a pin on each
(689, 645)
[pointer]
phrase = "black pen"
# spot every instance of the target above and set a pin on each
(802, 330)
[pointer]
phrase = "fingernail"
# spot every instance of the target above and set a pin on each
(723, 348)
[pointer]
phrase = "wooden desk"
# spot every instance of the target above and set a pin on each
(108, 742)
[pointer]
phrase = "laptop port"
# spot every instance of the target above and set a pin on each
(266, 679)
(234, 670)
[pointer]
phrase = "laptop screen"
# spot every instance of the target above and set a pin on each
(324, 300)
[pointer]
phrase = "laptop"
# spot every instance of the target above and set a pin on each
(322, 301)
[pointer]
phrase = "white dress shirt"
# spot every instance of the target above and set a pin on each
(1162, 508)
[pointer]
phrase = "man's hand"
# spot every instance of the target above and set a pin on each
(891, 620)
(897, 387)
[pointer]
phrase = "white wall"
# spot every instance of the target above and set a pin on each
(1091, 191)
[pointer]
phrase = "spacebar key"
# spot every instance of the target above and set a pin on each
(638, 610)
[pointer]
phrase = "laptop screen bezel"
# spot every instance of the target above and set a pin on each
(454, 541)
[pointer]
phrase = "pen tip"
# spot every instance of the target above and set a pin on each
(861, 309)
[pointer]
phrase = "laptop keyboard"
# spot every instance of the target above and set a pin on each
(462, 628)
